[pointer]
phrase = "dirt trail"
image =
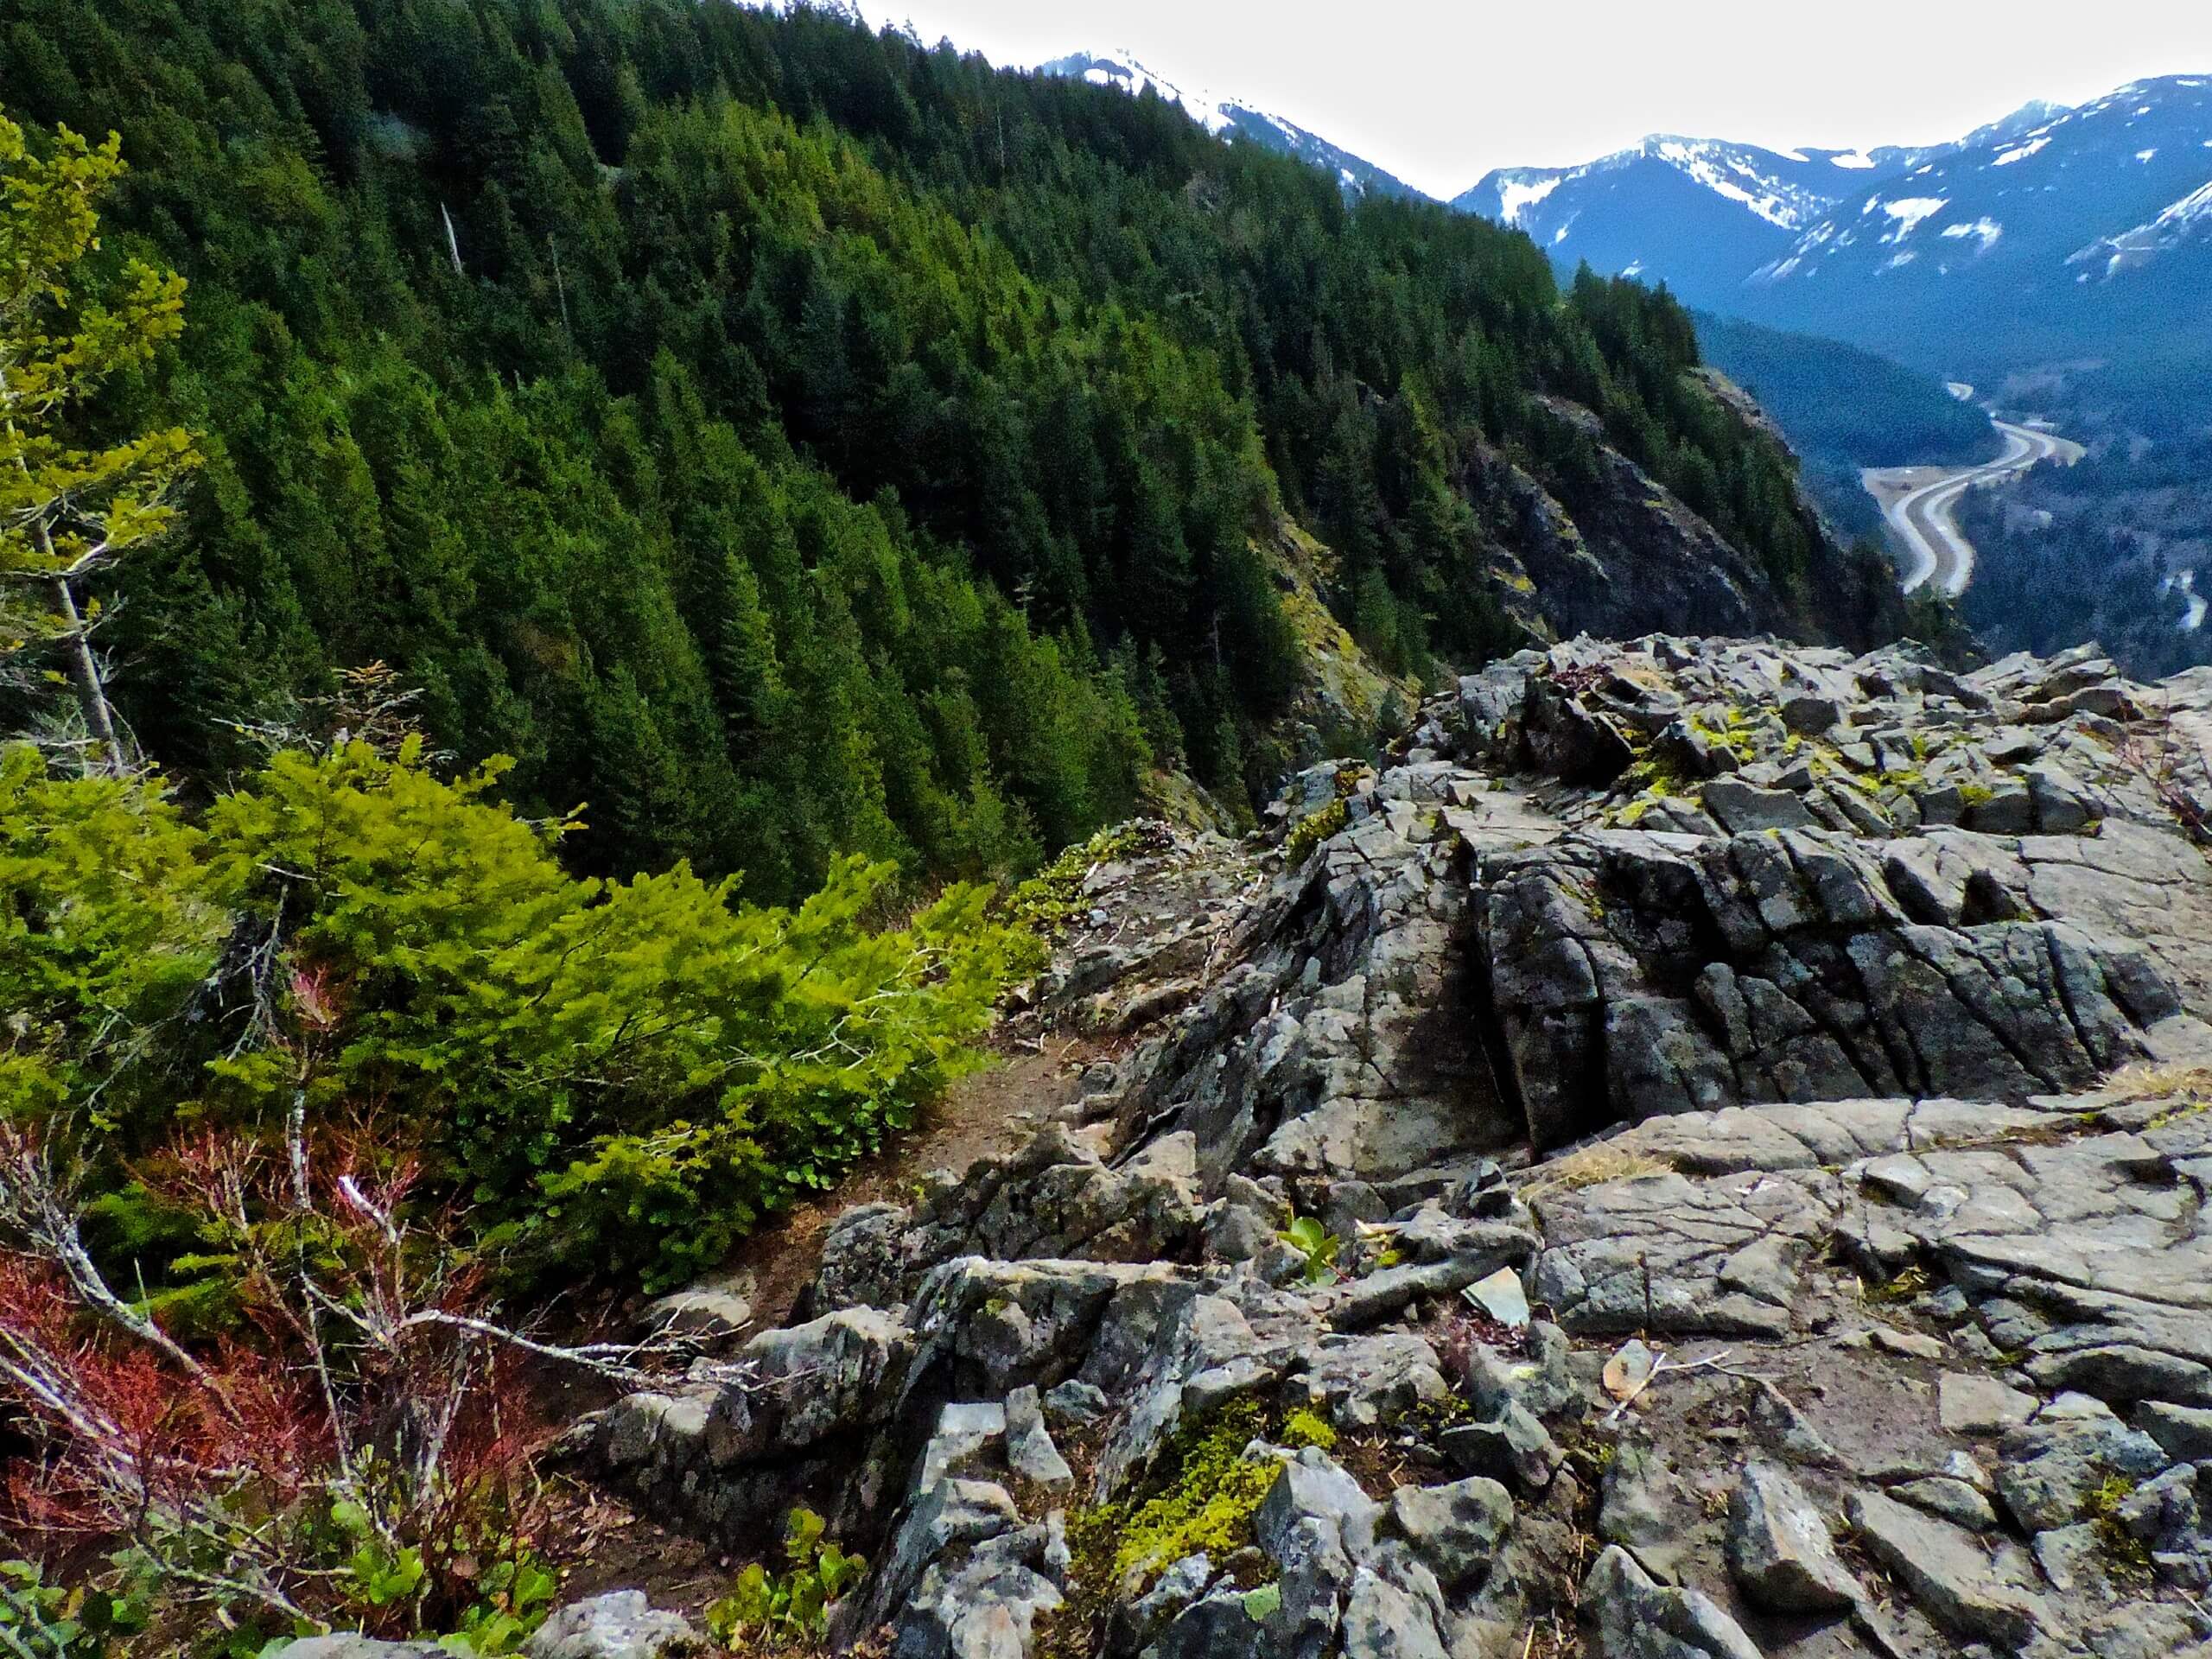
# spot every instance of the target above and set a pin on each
(603, 1540)
(985, 1114)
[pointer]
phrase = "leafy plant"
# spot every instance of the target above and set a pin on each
(1310, 1238)
(791, 1608)
(39, 1619)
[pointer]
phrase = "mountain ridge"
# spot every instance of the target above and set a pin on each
(1232, 118)
(2056, 231)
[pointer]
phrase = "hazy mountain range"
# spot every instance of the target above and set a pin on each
(2055, 234)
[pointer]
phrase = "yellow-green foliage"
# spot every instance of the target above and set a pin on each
(1204, 1497)
(1912, 1282)
(1314, 828)
(2122, 1548)
(1302, 1428)
(1053, 898)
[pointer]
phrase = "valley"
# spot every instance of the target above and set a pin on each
(1920, 505)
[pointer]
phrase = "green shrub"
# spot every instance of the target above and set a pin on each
(627, 1074)
(40, 1619)
(792, 1608)
(1316, 1243)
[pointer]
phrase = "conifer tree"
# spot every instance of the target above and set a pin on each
(68, 510)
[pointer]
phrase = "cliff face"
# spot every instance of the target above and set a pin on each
(1629, 557)
(1701, 1091)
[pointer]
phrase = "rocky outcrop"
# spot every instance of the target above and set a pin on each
(1621, 555)
(1702, 1153)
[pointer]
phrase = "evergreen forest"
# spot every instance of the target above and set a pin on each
(788, 442)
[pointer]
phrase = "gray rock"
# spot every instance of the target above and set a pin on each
(1514, 1448)
(1647, 1507)
(2184, 1432)
(1132, 1624)
(950, 1514)
(1636, 1617)
(1500, 1296)
(1947, 1570)
(2072, 1558)
(967, 1433)
(1955, 1500)
(1745, 808)
(1029, 1449)
(2052, 1468)
(1968, 1402)
(1077, 1401)
(617, 1626)
(1314, 1486)
(343, 1645)
(1217, 1626)
(1453, 1528)
(1783, 1428)
(985, 1608)
(1315, 1571)
(1779, 1550)
(715, 1316)
(1382, 1621)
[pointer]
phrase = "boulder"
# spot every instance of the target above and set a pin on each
(1779, 1550)
(1636, 1617)
(1454, 1530)
(617, 1626)
(1949, 1573)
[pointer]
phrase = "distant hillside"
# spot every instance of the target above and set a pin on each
(1843, 409)
(1835, 398)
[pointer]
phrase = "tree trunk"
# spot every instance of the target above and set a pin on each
(106, 754)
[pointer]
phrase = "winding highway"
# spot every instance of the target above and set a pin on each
(1921, 504)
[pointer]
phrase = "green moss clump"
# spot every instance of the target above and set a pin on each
(2127, 1553)
(1302, 1428)
(1314, 828)
(1972, 795)
(1202, 1501)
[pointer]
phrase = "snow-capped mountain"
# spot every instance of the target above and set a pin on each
(1697, 212)
(2054, 232)
(1232, 119)
(2090, 230)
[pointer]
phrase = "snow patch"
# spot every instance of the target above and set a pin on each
(1515, 198)
(2020, 153)
(2145, 154)
(1987, 229)
(2130, 249)
(1910, 211)
(1730, 174)
(1856, 161)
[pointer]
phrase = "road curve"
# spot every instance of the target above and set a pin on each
(1922, 517)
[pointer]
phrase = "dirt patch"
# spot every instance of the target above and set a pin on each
(985, 1114)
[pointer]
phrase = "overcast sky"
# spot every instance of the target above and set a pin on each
(1438, 94)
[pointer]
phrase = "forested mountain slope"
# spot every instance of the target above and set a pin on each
(787, 440)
